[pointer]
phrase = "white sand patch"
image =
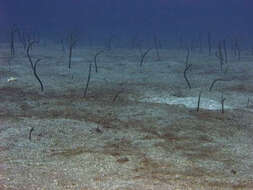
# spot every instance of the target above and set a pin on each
(189, 102)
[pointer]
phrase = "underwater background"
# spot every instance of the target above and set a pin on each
(126, 94)
(101, 18)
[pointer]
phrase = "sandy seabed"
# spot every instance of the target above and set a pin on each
(137, 128)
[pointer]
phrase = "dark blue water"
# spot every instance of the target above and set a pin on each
(99, 19)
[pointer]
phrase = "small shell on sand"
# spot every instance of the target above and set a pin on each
(11, 79)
